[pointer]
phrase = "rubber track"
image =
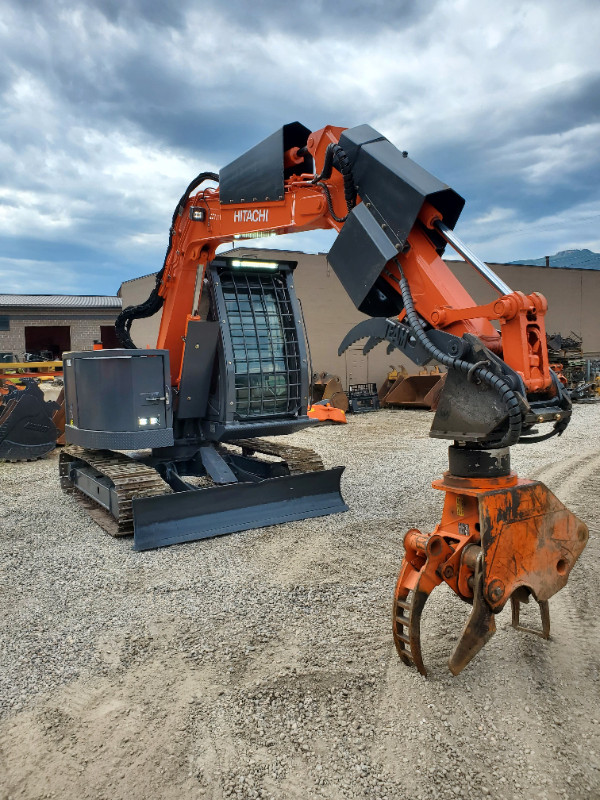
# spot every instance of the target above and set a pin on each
(298, 459)
(129, 477)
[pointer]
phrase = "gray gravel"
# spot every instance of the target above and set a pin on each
(262, 665)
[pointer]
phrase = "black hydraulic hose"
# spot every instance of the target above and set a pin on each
(472, 371)
(342, 163)
(330, 203)
(559, 427)
(557, 430)
(154, 301)
(336, 157)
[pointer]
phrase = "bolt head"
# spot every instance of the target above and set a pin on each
(496, 590)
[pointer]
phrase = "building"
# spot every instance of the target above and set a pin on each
(573, 296)
(48, 325)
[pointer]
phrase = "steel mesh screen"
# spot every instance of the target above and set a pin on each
(264, 338)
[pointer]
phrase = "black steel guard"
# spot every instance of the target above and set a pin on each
(189, 516)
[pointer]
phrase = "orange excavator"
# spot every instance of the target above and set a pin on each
(230, 363)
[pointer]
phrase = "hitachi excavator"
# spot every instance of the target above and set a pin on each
(231, 365)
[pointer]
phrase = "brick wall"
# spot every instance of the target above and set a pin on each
(84, 326)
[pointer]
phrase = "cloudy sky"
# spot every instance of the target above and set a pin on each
(110, 107)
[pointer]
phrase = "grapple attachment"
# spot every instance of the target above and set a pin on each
(500, 538)
(26, 428)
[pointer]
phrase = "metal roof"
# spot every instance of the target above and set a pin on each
(59, 301)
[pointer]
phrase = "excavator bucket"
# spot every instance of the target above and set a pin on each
(395, 375)
(432, 398)
(58, 418)
(329, 387)
(27, 431)
(412, 391)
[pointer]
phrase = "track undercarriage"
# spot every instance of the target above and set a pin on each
(218, 489)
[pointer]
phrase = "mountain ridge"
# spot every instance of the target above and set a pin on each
(566, 259)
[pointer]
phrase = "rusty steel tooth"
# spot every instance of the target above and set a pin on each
(545, 615)
(479, 628)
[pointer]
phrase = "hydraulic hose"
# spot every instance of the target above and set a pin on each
(471, 371)
(557, 430)
(154, 301)
(336, 157)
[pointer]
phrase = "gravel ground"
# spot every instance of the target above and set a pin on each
(261, 665)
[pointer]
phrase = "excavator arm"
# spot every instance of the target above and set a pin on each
(500, 537)
(388, 258)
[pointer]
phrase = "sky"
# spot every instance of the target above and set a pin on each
(110, 107)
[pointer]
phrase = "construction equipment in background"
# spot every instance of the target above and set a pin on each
(362, 397)
(395, 375)
(326, 386)
(27, 431)
(325, 412)
(577, 373)
(413, 390)
(40, 370)
(238, 368)
(567, 351)
(58, 418)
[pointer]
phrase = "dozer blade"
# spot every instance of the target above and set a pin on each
(203, 513)
(26, 428)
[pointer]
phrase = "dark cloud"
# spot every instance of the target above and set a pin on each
(311, 19)
(569, 105)
(162, 13)
(109, 107)
(316, 19)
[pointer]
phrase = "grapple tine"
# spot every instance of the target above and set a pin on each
(372, 342)
(373, 327)
(545, 615)
(418, 577)
(408, 607)
(480, 626)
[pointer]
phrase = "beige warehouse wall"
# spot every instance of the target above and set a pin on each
(329, 315)
(573, 297)
(144, 332)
